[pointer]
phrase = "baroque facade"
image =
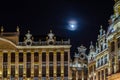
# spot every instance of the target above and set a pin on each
(49, 59)
(103, 60)
(33, 60)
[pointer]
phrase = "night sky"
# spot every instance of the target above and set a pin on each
(41, 16)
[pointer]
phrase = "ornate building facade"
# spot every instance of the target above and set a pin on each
(103, 60)
(49, 59)
(33, 60)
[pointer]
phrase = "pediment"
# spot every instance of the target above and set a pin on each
(6, 44)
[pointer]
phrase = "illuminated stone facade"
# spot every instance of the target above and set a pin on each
(103, 60)
(33, 60)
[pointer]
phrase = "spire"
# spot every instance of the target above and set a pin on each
(50, 35)
(50, 31)
(17, 28)
(82, 49)
(101, 30)
(28, 35)
(2, 29)
(91, 46)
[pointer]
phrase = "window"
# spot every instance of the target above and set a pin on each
(112, 46)
(65, 56)
(66, 71)
(5, 57)
(5, 70)
(58, 71)
(94, 68)
(12, 57)
(118, 40)
(13, 71)
(58, 56)
(28, 71)
(101, 61)
(20, 57)
(36, 70)
(98, 75)
(106, 73)
(51, 71)
(28, 57)
(44, 56)
(98, 62)
(102, 75)
(43, 71)
(105, 59)
(113, 60)
(20, 70)
(36, 57)
(51, 56)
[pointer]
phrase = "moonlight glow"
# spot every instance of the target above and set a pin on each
(72, 25)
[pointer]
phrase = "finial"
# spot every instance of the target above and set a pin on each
(101, 26)
(17, 29)
(50, 31)
(28, 31)
(96, 44)
(2, 29)
(101, 30)
(91, 46)
(46, 38)
(104, 32)
(91, 43)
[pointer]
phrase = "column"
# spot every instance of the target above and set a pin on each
(96, 75)
(24, 66)
(47, 65)
(76, 75)
(69, 71)
(16, 65)
(82, 75)
(93, 72)
(32, 65)
(40, 65)
(55, 65)
(101, 75)
(62, 65)
(1, 65)
(9, 65)
(104, 75)
(116, 57)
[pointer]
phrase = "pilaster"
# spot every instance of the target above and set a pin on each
(24, 66)
(16, 65)
(1, 65)
(55, 65)
(69, 71)
(9, 65)
(82, 75)
(77, 75)
(47, 65)
(32, 65)
(62, 65)
(40, 65)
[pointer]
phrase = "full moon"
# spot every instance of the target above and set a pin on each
(72, 25)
